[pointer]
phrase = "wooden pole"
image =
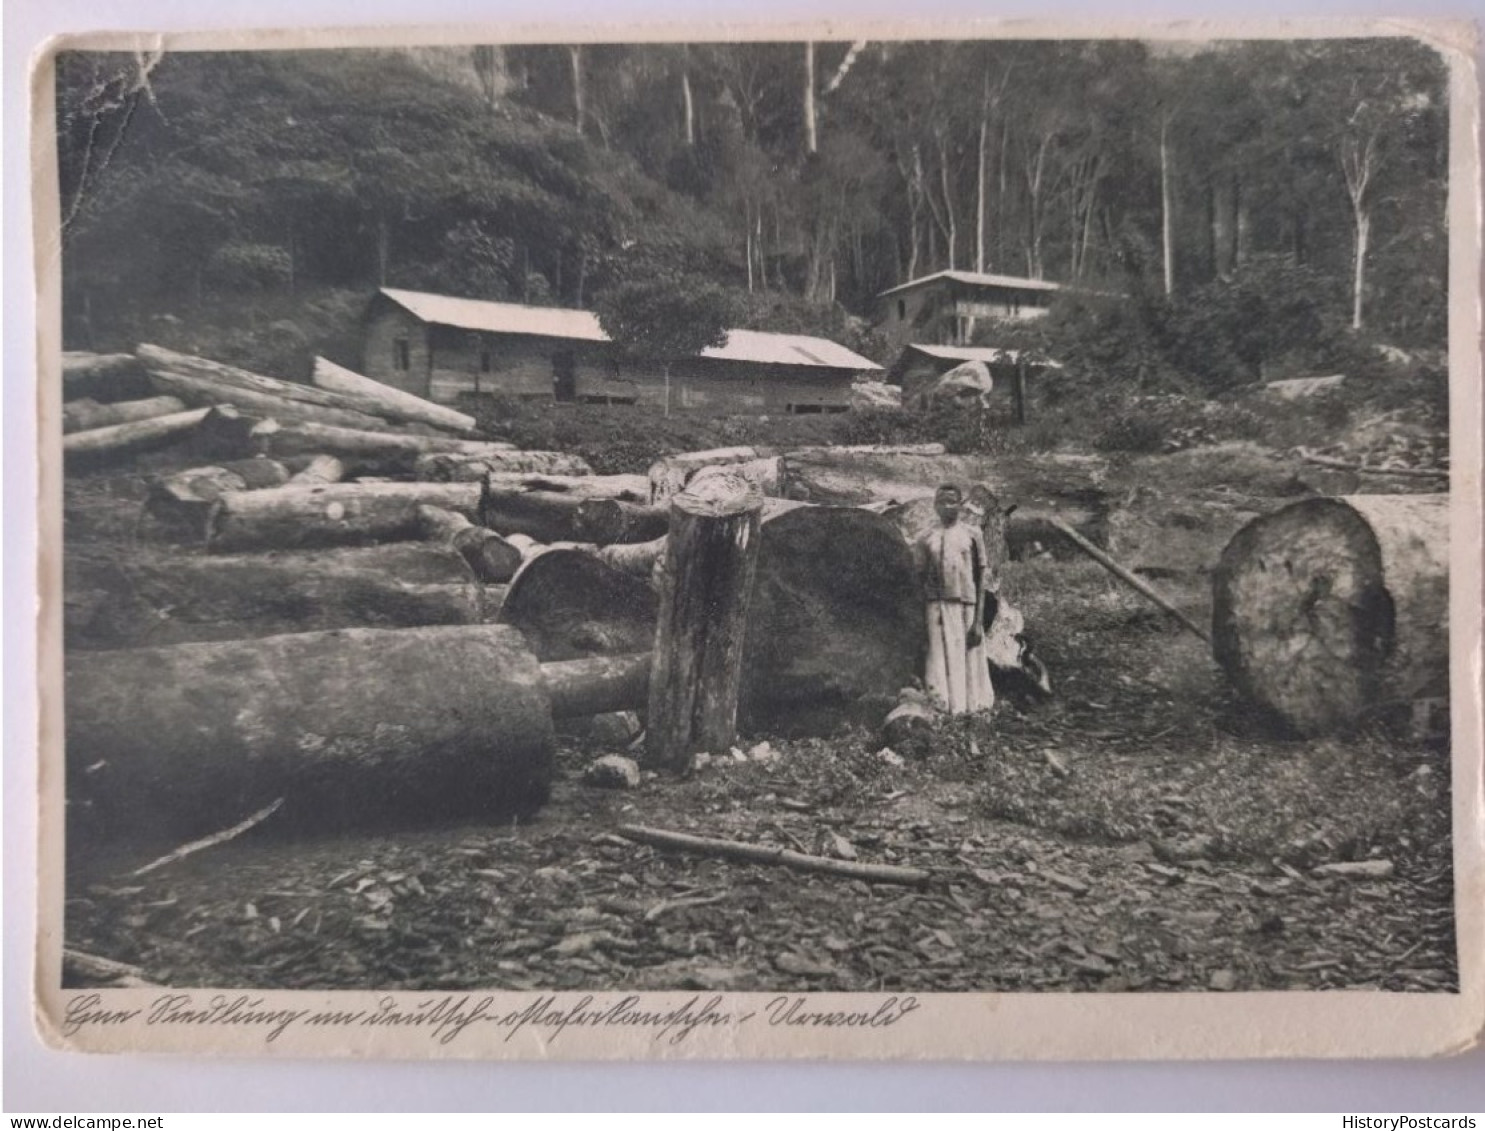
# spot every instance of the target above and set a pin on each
(1125, 576)
(707, 584)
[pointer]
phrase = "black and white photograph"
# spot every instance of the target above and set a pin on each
(567, 541)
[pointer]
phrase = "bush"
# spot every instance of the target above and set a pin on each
(250, 266)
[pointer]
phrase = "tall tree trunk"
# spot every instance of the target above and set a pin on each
(951, 223)
(1214, 241)
(1239, 223)
(1166, 245)
(575, 52)
(1358, 286)
(980, 179)
(383, 248)
(748, 242)
(811, 142)
(688, 107)
(1001, 169)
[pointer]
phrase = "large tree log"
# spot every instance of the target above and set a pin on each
(357, 727)
(1333, 611)
(837, 623)
(440, 466)
(227, 384)
(336, 514)
(836, 627)
(183, 501)
(154, 599)
(492, 558)
(560, 516)
(82, 415)
(195, 389)
(669, 475)
(319, 470)
(570, 605)
(706, 587)
(624, 488)
(638, 558)
(360, 450)
(103, 376)
(596, 685)
(122, 439)
(394, 404)
(848, 477)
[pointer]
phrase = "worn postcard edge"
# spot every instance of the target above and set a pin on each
(1071, 1026)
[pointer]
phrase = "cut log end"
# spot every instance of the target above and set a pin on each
(1331, 609)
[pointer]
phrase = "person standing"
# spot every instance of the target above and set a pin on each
(952, 563)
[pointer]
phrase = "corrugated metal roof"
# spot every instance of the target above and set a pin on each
(582, 325)
(986, 354)
(974, 278)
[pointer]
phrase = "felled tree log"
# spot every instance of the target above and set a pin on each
(570, 605)
(706, 588)
(336, 514)
(82, 415)
(359, 449)
(103, 376)
(668, 476)
(357, 727)
(319, 470)
(848, 477)
(232, 378)
(183, 501)
(1332, 611)
(596, 685)
(624, 488)
(392, 403)
(837, 624)
(122, 439)
(492, 558)
(439, 466)
(155, 599)
(553, 516)
(638, 558)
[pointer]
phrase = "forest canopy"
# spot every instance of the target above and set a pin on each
(803, 178)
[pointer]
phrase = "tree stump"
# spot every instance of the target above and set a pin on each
(706, 586)
(1330, 611)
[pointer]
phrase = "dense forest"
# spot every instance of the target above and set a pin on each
(1239, 200)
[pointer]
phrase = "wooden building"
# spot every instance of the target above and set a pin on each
(944, 308)
(448, 349)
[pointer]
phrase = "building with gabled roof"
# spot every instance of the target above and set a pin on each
(946, 306)
(447, 349)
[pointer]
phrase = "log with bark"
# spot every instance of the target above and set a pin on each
(353, 728)
(103, 376)
(335, 514)
(1332, 612)
(637, 558)
(230, 379)
(624, 488)
(563, 516)
(85, 414)
(596, 685)
(706, 588)
(362, 451)
(492, 558)
(117, 440)
(849, 476)
(668, 476)
(154, 598)
(182, 502)
(393, 404)
(439, 466)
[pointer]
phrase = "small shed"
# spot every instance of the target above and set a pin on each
(447, 349)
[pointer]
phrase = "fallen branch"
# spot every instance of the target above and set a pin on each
(765, 854)
(1366, 469)
(212, 841)
(91, 968)
(1125, 576)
